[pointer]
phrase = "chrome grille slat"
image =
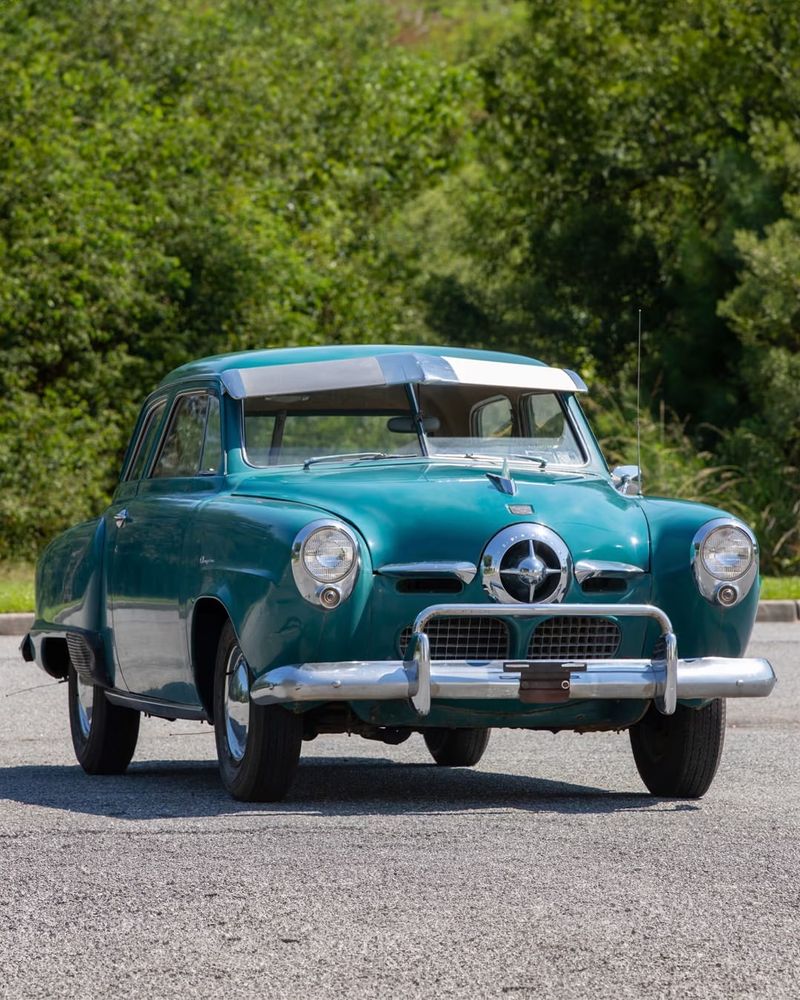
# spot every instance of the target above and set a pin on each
(464, 639)
(574, 638)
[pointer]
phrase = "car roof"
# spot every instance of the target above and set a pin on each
(219, 363)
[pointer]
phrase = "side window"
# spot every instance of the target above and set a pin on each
(182, 445)
(146, 437)
(211, 462)
(545, 416)
(492, 418)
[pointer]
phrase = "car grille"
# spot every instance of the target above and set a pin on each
(463, 639)
(574, 639)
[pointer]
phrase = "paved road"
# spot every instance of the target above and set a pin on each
(545, 872)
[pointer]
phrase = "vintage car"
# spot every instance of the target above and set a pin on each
(386, 540)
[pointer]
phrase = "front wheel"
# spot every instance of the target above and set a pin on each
(456, 747)
(677, 755)
(258, 746)
(104, 735)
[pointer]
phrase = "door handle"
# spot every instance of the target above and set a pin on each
(122, 517)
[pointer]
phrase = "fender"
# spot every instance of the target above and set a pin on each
(70, 606)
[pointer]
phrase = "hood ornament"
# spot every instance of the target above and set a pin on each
(503, 480)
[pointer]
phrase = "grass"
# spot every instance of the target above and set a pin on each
(16, 587)
(778, 588)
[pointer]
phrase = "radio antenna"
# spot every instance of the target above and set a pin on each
(638, 405)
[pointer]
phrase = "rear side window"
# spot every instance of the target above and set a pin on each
(183, 442)
(146, 438)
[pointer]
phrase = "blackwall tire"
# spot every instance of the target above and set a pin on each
(677, 755)
(456, 747)
(258, 746)
(104, 735)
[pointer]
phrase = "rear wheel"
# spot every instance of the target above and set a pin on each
(456, 747)
(258, 746)
(677, 755)
(104, 735)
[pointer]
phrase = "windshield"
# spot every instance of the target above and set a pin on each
(458, 420)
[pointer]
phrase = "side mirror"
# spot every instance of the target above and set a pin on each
(627, 480)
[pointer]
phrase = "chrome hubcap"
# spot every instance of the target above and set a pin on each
(84, 706)
(237, 703)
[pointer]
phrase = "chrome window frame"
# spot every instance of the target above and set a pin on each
(209, 391)
(138, 439)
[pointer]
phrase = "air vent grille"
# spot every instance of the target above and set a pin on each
(574, 639)
(464, 639)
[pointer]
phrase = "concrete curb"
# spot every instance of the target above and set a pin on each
(778, 611)
(768, 611)
(15, 624)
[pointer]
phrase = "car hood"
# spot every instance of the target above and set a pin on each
(409, 512)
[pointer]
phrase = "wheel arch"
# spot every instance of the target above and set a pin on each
(209, 618)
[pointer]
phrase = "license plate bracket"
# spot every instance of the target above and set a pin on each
(545, 681)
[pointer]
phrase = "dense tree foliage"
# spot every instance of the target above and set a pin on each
(634, 156)
(181, 179)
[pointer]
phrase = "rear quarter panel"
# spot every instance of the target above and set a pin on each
(70, 580)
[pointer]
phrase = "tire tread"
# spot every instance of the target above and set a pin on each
(693, 741)
(456, 747)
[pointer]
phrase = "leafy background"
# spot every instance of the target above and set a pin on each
(182, 179)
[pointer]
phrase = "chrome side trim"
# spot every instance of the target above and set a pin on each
(592, 569)
(157, 708)
(395, 680)
(464, 571)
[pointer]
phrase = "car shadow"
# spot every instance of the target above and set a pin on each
(340, 786)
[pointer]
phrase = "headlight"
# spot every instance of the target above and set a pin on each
(725, 561)
(727, 553)
(329, 554)
(325, 562)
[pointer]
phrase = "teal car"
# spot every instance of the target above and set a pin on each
(386, 541)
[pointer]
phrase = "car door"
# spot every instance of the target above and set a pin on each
(147, 566)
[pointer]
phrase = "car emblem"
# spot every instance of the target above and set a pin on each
(521, 509)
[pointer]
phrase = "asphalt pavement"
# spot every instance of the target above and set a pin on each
(547, 871)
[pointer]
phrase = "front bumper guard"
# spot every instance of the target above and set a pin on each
(419, 679)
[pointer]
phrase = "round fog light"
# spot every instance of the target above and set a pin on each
(726, 595)
(329, 597)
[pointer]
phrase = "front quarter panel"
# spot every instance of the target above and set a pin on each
(702, 628)
(240, 554)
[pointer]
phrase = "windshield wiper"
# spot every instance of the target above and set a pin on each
(528, 458)
(353, 456)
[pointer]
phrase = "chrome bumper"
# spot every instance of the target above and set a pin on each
(419, 679)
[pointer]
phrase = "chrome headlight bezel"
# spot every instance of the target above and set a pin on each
(725, 591)
(327, 594)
